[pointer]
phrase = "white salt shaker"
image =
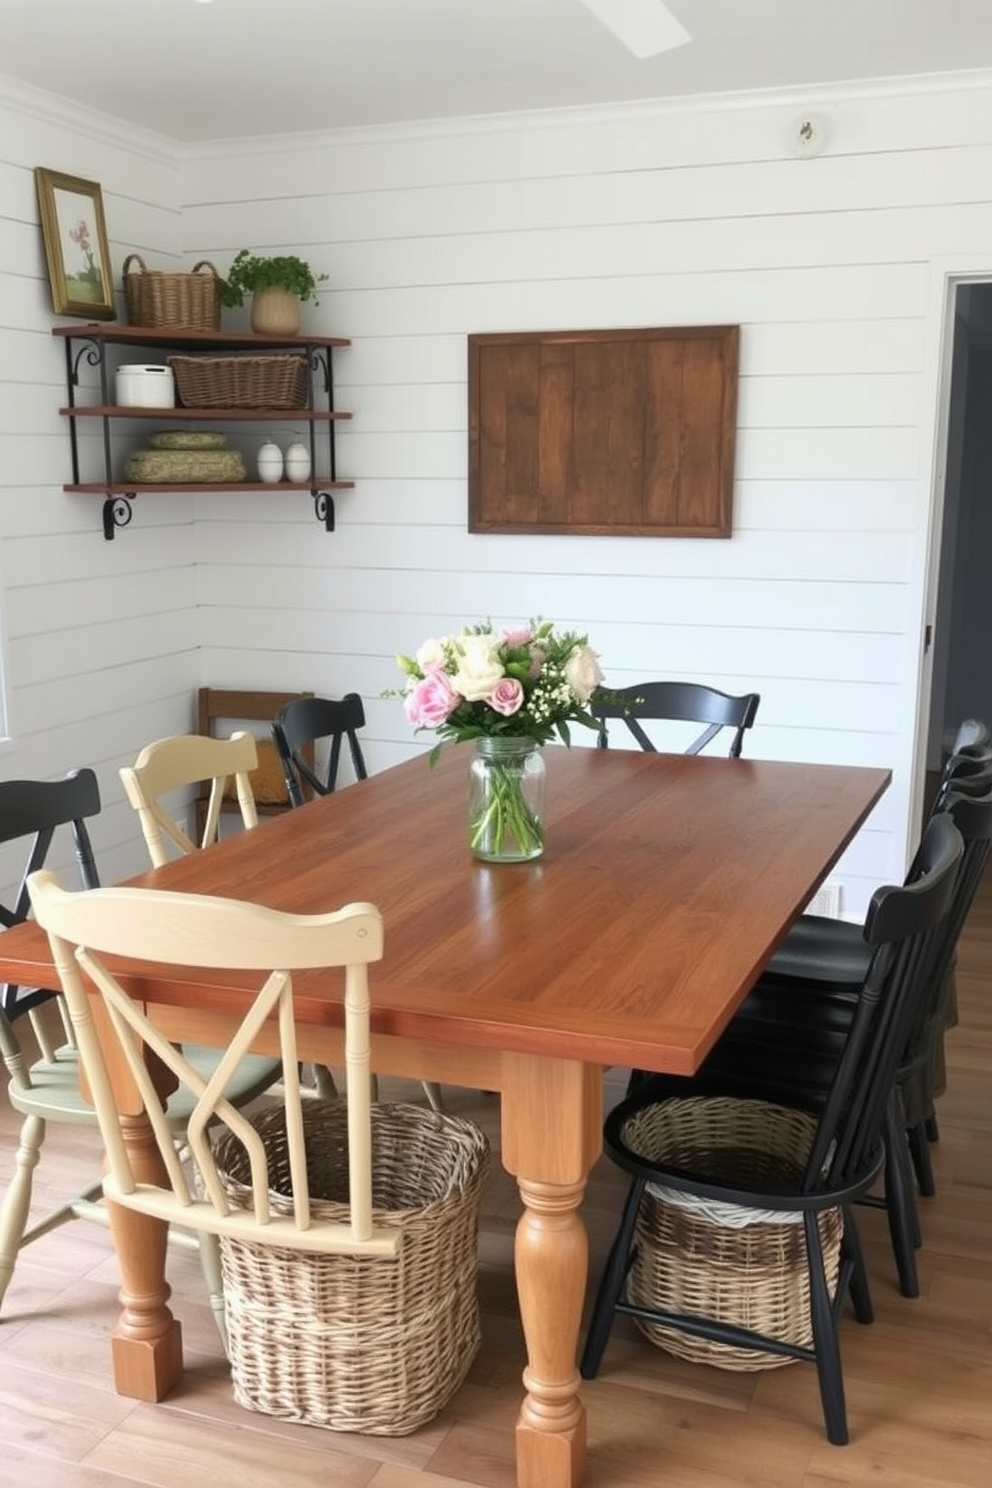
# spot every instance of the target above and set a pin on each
(298, 462)
(270, 462)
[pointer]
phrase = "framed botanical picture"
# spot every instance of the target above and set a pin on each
(75, 237)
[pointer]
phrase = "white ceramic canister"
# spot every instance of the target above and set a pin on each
(298, 463)
(270, 462)
(139, 385)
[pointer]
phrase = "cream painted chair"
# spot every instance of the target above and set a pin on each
(188, 761)
(149, 925)
(260, 1200)
(177, 763)
(162, 769)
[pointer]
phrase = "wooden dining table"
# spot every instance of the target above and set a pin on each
(666, 883)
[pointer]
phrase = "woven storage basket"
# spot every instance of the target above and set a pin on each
(241, 381)
(691, 1260)
(360, 1343)
(156, 297)
(185, 466)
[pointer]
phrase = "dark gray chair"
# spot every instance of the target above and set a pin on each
(301, 725)
(840, 1156)
(789, 1036)
(677, 702)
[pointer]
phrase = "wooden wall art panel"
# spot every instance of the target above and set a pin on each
(603, 432)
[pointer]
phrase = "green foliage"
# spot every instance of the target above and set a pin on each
(249, 272)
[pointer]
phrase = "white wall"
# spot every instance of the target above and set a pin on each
(654, 216)
(651, 216)
(100, 651)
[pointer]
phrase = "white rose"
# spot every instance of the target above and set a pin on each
(430, 654)
(479, 666)
(583, 673)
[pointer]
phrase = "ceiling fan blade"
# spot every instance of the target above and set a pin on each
(645, 27)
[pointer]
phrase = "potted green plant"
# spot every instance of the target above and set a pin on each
(276, 285)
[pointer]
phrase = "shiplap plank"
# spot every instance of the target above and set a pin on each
(39, 608)
(818, 202)
(57, 702)
(573, 143)
(735, 296)
(834, 558)
(448, 598)
(762, 402)
(865, 453)
(649, 249)
(809, 504)
(374, 363)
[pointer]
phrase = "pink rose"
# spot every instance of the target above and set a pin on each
(515, 638)
(507, 697)
(430, 701)
(538, 656)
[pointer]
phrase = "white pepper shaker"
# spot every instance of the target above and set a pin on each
(270, 462)
(298, 462)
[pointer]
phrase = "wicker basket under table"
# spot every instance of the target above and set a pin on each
(360, 1343)
(700, 1259)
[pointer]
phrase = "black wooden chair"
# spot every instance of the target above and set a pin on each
(756, 1168)
(301, 725)
(831, 956)
(824, 950)
(789, 1037)
(675, 702)
(43, 1088)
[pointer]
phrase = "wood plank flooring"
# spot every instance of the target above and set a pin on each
(919, 1380)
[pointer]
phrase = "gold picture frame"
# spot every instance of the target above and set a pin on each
(76, 251)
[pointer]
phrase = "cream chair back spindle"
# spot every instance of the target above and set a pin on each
(142, 925)
(184, 760)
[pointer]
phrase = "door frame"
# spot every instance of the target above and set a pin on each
(947, 276)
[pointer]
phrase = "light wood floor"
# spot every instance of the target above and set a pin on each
(919, 1379)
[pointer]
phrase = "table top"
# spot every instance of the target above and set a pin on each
(666, 883)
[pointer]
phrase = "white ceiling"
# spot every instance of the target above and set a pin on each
(234, 68)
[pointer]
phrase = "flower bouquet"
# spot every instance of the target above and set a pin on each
(511, 691)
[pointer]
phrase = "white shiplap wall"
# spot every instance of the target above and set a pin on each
(100, 638)
(647, 216)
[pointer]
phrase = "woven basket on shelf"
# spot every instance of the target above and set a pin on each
(184, 466)
(155, 297)
(360, 1343)
(272, 381)
(739, 1266)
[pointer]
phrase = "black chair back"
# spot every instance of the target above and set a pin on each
(679, 702)
(307, 721)
(36, 809)
(910, 930)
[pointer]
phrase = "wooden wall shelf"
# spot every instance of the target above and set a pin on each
(88, 345)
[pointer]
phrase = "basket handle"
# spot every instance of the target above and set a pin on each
(205, 264)
(131, 259)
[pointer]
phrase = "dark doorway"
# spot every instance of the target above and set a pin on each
(962, 643)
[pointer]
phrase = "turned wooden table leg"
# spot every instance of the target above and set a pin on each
(146, 1345)
(552, 1134)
